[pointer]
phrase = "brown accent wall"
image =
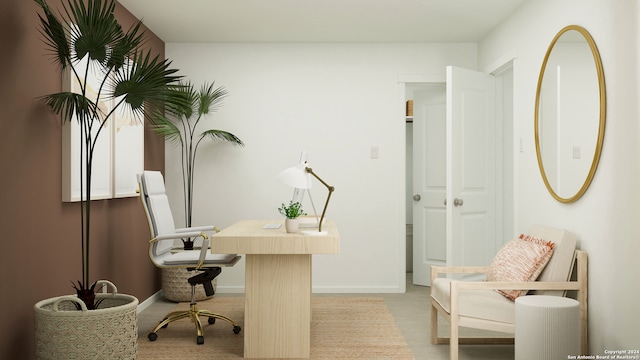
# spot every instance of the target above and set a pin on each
(39, 235)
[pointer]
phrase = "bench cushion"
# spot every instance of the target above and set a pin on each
(478, 304)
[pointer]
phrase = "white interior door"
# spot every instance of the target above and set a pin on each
(470, 168)
(429, 181)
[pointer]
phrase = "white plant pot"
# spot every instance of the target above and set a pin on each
(109, 332)
(291, 225)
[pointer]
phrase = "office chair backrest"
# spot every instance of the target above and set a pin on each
(157, 208)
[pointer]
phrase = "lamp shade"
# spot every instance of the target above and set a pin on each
(296, 177)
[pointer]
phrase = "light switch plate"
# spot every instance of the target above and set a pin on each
(576, 152)
(375, 152)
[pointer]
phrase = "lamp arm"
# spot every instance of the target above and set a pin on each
(330, 188)
(310, 171)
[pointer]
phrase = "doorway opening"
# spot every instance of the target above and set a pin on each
(504, 199)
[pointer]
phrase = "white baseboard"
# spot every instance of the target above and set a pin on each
(327, 289)
(149, 301)
(357, 289)
(316, 289)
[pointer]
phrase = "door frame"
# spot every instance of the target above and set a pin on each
(507, 219)
(503, 70)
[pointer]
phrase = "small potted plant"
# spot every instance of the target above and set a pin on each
(291, 212)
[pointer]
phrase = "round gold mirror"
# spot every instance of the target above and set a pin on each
(570, 114)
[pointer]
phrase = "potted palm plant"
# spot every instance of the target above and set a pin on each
(179, 125)
(86, 36)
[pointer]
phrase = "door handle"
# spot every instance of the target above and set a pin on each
(445, 202)
(457, 202)
(416, 197)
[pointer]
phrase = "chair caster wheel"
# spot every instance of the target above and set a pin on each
(152, 336)
(236, 329)
(212, 321)
(200, 340)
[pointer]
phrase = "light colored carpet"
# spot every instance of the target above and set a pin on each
(341, 328)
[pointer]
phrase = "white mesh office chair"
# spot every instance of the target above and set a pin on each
(205, 265)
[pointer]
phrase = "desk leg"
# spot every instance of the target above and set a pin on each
(277, 319)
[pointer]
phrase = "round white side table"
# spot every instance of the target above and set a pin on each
(547, 327)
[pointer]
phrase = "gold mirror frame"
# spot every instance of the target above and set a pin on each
(602, 121)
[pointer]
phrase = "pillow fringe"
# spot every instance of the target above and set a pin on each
(539, 241)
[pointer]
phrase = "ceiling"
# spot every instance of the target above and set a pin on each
(177, 21)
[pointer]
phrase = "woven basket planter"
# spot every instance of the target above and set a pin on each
(64, 332)
(175, 286)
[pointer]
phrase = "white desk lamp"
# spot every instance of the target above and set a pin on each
(299, 177)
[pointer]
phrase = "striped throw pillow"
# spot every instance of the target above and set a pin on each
(521, 259)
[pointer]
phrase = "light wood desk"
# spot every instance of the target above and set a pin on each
(277, 318)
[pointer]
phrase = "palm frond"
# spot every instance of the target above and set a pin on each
(220, 135)
(69, 104)
(210, 99)
(125, 45)
(95, 29)
(193, 99)
(55, 35)
(164, 127)
(147, 79)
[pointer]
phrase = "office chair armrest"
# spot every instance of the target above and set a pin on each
(204, 250)
(198, 228)
(179, 235)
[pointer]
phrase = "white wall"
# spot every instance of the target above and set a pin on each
(338, 100)
(335, 101)
(605, 218)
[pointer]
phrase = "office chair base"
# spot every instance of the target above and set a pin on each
(194, 314)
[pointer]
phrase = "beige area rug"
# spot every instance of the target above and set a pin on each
(342, 328)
